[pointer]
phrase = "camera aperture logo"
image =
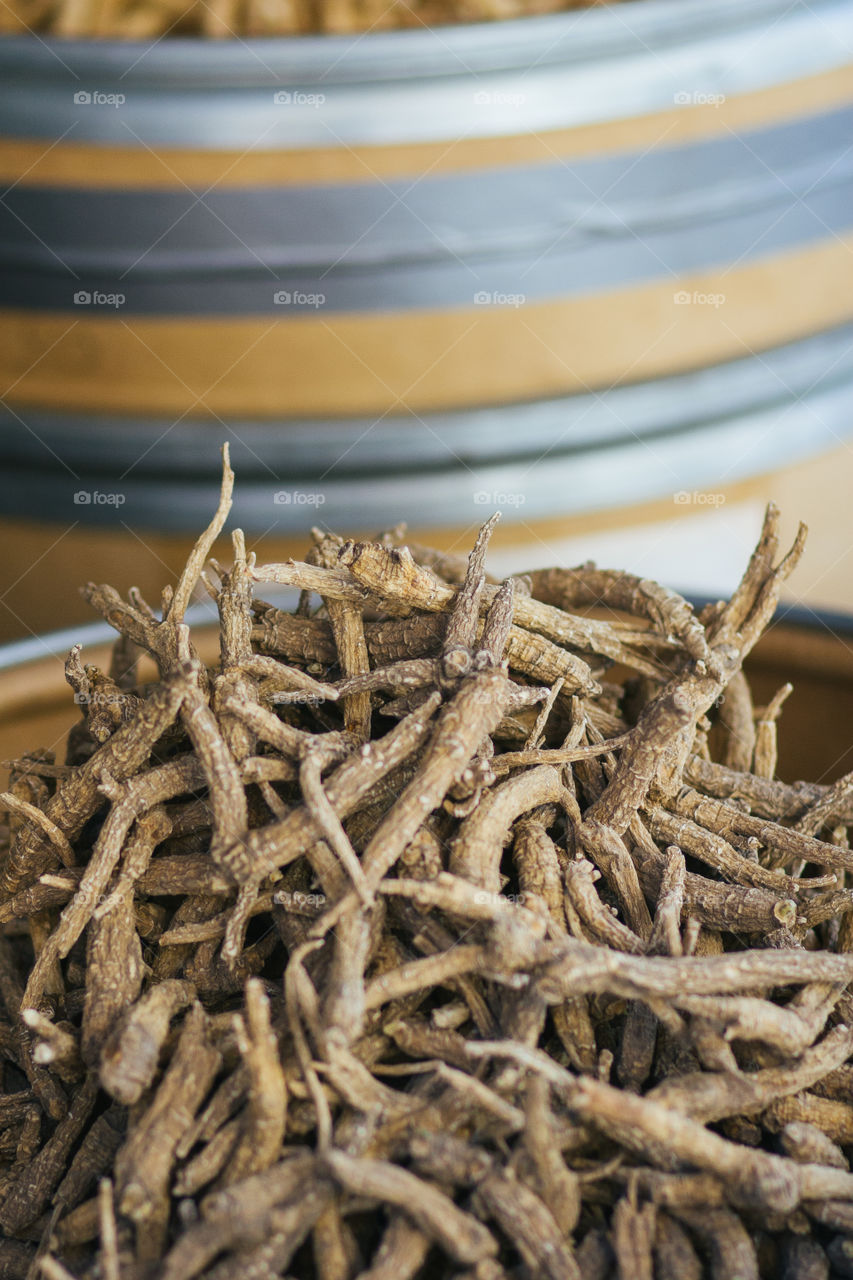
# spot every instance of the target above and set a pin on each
(94, 98)
(85, 298)
(296, 98)
(286, 298)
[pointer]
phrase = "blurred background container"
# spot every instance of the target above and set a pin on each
(593, 269)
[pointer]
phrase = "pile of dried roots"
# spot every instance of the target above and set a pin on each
(423, 935)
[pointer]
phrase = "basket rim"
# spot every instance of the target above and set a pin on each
(56, 644)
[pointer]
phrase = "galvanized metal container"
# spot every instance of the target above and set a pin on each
(572, 258)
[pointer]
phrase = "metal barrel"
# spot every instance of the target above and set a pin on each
(404, 269)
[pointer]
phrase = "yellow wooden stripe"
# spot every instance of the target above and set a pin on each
(41, 162)
(368, 364)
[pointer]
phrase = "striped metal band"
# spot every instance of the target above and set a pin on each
(528, 76)
(375, 363)
(633, 471)
(189, 449)
(535, 233)
(123, 163)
